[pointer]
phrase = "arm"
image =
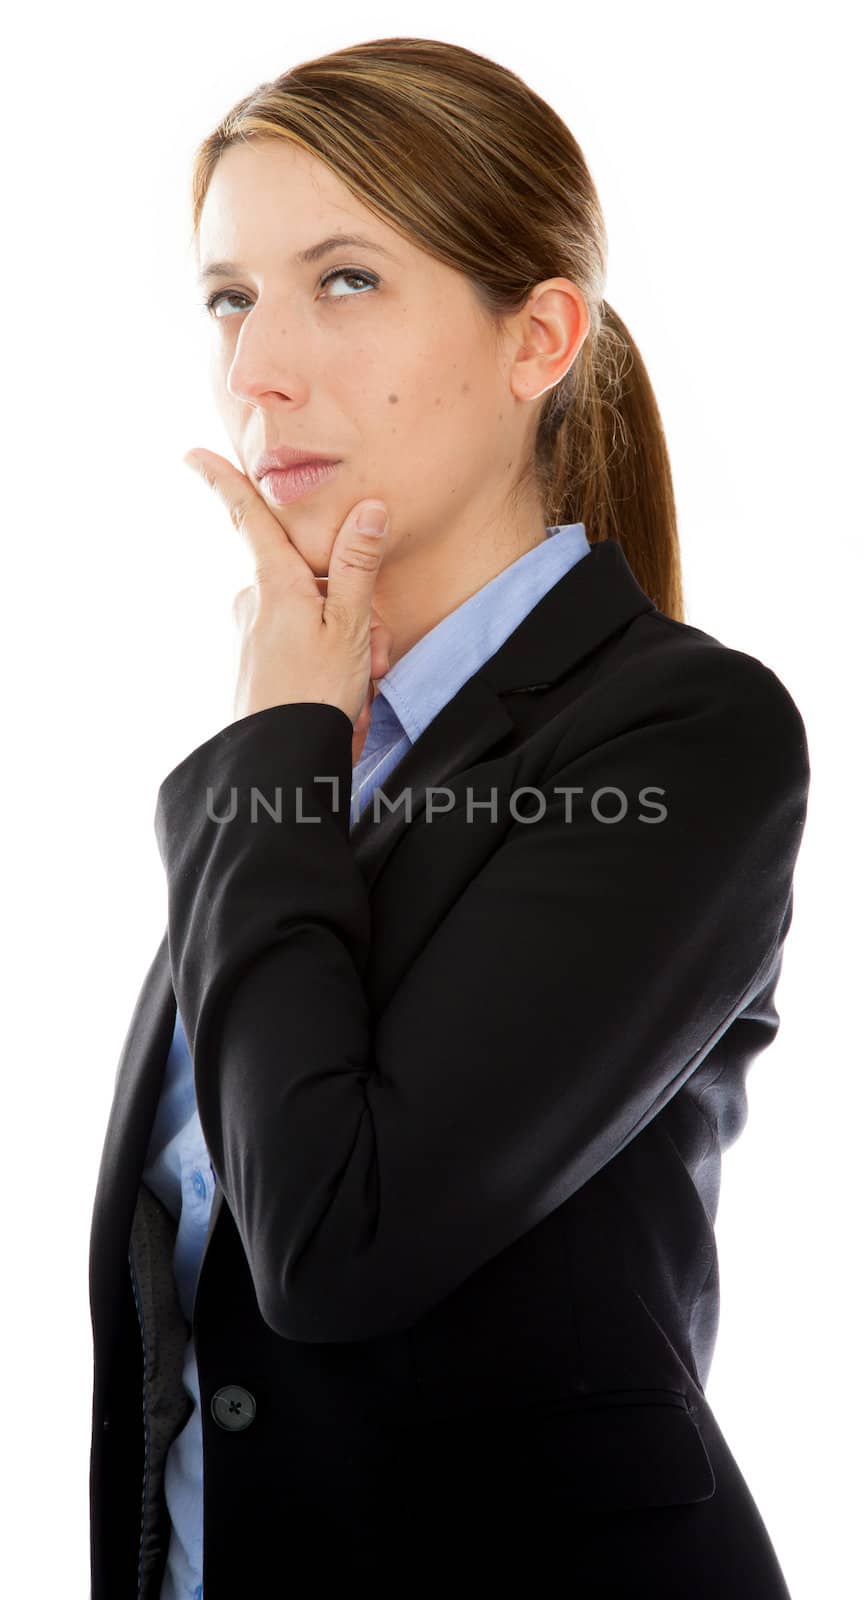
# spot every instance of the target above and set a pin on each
(569, 992)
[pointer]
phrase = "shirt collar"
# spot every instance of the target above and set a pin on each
(431, 672)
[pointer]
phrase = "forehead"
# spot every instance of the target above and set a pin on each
(268, 164)
(271, 188)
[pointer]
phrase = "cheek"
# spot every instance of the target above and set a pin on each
(448, 391)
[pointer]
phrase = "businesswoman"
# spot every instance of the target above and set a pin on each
(403, 1263)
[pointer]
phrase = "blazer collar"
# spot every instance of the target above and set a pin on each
(594, 599)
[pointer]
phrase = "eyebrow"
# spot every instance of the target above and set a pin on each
(314, 252)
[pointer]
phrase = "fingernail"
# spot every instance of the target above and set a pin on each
(372, 519)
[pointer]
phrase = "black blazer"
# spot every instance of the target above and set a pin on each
(465, 1081)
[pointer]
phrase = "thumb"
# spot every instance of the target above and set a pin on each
(356, 556)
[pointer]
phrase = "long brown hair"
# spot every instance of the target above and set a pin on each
(459, 155)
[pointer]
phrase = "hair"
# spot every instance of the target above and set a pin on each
(458, 154)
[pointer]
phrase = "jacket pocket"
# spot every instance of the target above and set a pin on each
(607, 1450)
(615, 1449)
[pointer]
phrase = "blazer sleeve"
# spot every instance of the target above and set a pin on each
(571, 989)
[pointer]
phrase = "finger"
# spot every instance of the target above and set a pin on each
(264, 535)
(355, 561)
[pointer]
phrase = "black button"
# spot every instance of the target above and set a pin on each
(233, 1408)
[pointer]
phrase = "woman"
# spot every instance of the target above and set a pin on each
(403, 1262)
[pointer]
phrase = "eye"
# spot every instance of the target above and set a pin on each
(347, 272)
(213, 300)
(367, 279)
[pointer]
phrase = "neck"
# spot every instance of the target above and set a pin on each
(422, 581)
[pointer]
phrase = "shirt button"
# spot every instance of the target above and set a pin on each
(233, 1408)
(199, 1184)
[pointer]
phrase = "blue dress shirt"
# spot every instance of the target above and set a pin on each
(177, 1167)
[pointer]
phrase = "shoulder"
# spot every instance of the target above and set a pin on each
(684, 667)
(669, 686)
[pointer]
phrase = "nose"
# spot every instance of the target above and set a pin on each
(269, 359)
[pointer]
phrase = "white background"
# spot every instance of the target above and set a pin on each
(728, 162)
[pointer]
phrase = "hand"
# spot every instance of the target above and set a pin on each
(382, 643)
(298, 644)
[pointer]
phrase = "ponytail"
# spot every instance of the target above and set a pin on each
(602, 460)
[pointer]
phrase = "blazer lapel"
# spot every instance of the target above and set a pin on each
(595, 598)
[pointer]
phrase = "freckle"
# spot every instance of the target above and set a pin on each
(465, 387)
(393, 399)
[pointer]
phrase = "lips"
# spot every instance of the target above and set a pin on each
(287, 456)
(288, 484)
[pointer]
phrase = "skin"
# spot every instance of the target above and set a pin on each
(431, 414)
(297, 646)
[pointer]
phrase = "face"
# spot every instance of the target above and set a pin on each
(376, 354)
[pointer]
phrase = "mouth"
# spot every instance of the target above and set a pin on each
(283, 456)
(284, 485)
